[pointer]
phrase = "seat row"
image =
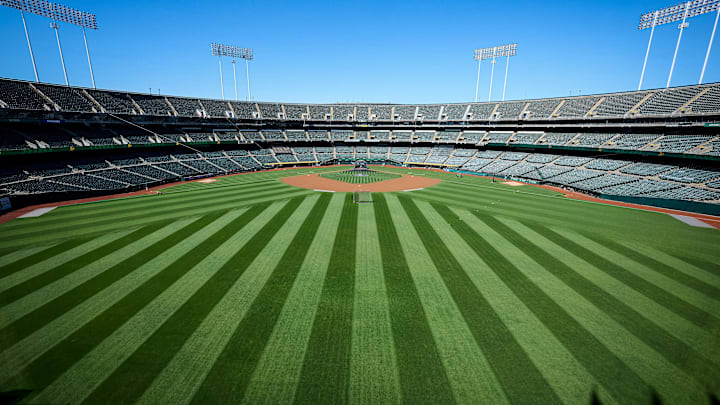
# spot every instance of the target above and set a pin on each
(698, 99)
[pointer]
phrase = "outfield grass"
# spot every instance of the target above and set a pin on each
(349, 176)
(248, 290)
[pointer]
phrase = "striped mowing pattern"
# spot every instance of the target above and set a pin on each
(247, 290)
(359, 177)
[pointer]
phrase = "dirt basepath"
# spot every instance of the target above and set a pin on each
(315, 182)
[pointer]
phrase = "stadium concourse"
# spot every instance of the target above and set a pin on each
(483, 283)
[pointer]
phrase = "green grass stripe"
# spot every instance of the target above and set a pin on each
(706, 272)
(613, 222)
(608, 351)
(143, 205)
(47, 267)
(497, 343)
(137, 371)
(422, 375)
(352, 177)
(660, 267)
(67, 269)
(325, 375)
(44, 369)
(86, 215)
(374, 375)
(697, 339)
(82, 215)
(161, 211)
(468, 372)
(278, 372)
(168, 213)
(686, 302)
(91, 370)
(706, 260)
(12, 255)
(38, 257)
(510, 264)
(568, 378)
(56, 330)
(177, 383)
(242, 323)
(31, 313)
(523, 207)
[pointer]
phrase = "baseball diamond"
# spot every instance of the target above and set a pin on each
(361, 218)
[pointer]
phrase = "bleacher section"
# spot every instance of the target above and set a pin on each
(700, 99)
(649, 143)
(67, 98)
(269, 111)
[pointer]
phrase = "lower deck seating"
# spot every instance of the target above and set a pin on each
(597, 175)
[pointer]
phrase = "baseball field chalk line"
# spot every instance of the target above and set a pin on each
(37, 212)
(416, 189)
(691, 221)
(324, 191)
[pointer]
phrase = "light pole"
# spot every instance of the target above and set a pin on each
(682, 26)
(54, 26)
(57, 13)
(234, 52)
(27, 36)
(712, 36)
(247, 72)
(493, 53)
(492, 73)
(680, 12)
(235, 80)
(477, 57)
(647, 52)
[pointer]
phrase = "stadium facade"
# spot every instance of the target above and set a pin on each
(659, 147)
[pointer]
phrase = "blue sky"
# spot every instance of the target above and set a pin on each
(363, 51)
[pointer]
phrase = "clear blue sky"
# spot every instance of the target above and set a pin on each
(363, 51)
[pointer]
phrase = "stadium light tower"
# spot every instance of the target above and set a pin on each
(234, 52)
(56, 12)
(493, 53)
(680, 12)
(477, 57)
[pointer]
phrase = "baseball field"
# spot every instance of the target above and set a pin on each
(249, 290)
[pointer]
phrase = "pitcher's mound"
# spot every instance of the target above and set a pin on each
(404, 183)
